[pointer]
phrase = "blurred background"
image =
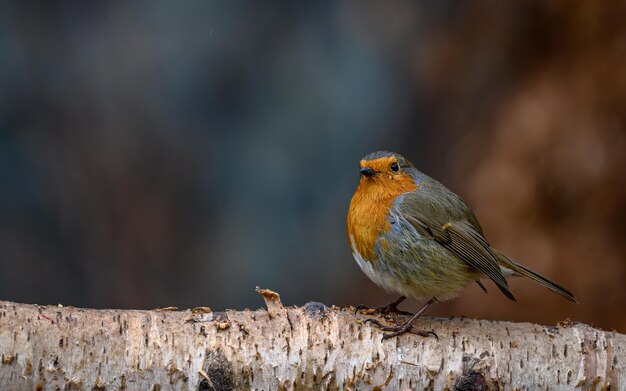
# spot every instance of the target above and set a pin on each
(179, 154)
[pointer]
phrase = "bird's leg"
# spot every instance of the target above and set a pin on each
(391, 308)
(400, 329)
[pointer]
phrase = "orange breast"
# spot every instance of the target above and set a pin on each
(369, 208)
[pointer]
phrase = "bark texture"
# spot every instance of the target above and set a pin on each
(309, 347)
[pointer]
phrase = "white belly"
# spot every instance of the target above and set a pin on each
(415, 286)
(381, 278)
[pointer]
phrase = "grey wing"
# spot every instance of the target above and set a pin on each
(440, 214)
(435, 199)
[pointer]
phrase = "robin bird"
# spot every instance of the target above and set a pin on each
(412, 236)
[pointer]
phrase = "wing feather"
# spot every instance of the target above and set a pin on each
(457, 234)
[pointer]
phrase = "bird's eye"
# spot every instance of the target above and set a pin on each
(395, 167)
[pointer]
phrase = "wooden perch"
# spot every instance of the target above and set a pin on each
(309, 347)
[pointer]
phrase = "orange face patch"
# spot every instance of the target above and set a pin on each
(381, 164)
(369, 207)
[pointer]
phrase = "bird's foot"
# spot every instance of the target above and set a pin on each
(400, 328)
(391, 308)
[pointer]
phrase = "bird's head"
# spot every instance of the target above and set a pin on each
(388, 172)
(385, 165)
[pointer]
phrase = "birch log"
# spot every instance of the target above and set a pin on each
(309, 347)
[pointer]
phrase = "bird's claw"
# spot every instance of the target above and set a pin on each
(400, 329)
(385, 310)
(375, 322)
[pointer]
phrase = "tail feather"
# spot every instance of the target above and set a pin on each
(526, 272)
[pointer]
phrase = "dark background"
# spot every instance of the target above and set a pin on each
(179, 154)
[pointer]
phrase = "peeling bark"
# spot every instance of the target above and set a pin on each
(309, 347)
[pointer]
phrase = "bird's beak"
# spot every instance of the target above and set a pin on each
(367, 171)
